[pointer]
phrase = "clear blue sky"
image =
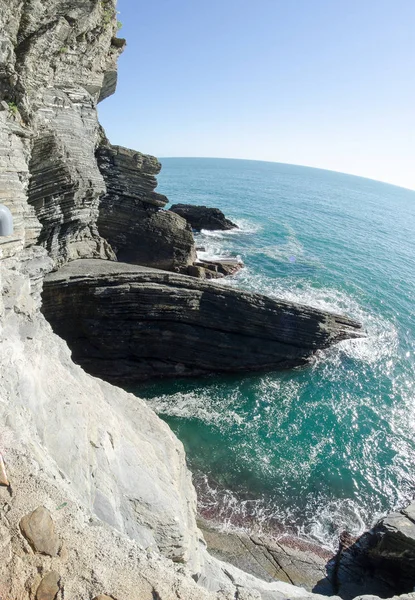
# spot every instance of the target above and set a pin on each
(323, 83)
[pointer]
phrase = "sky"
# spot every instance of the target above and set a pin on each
(321, 83)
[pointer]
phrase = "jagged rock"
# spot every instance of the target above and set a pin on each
(66, 184)
(203, 217)
(381, 562)
(49, 586)
(196, 271)
(104, 597)
(129, 215)
(39, 530)
(125, 323)
(225, 266)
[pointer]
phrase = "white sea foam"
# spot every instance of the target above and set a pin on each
(198, 405)
(381, 341)
(245, 227)
(332, 518)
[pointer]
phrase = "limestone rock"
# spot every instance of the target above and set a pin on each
(125, 323)
(130, 217)
(39, 530)
(49, 586)
(203, 217)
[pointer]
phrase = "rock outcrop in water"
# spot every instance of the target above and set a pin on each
(203, 217)
(125, 323)
(130, 218)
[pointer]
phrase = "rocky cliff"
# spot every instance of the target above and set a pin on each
(95, 497)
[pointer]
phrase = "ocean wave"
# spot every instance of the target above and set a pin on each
(324, 524)
(224, 244)
(199, 404)
(245, 227)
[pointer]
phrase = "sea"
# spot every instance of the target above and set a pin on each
(329, 447)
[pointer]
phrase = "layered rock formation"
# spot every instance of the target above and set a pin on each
(130, 217)
(126, 323)
(381, 561)
(203, 217)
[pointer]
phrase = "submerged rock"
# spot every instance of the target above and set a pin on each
(125, 323)
(203, 217)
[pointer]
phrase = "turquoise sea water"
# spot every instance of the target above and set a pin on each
(327, 447)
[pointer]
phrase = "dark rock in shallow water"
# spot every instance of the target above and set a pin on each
(381, 562)
(130, 218)
(203, 217)
(127, 323)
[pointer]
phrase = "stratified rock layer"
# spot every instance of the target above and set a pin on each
(130, 217)
(203, 217)
(127, 323)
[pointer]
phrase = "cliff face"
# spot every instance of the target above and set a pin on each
(58, 59)
(61, 428)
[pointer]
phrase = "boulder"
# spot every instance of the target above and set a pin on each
(125, 323)
(49, 586)
(39, 530)
(203, 217)
(288, 559)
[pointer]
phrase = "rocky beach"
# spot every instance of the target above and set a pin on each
(101, 285)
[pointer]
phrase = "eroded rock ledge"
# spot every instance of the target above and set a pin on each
(126, 323)
(203, 217)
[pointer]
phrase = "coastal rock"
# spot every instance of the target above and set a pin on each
(39, 530)
(130, 217)
(55, 65)
(286, 559)
(381, 562)
(66, 184)
(203, 217)
(224, 266)
(125, 323)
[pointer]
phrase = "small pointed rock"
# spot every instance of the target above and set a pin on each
(39, 530)
(49, 586)
(3, 475)
(104, 597)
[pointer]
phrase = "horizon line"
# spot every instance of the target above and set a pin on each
(277, 162)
